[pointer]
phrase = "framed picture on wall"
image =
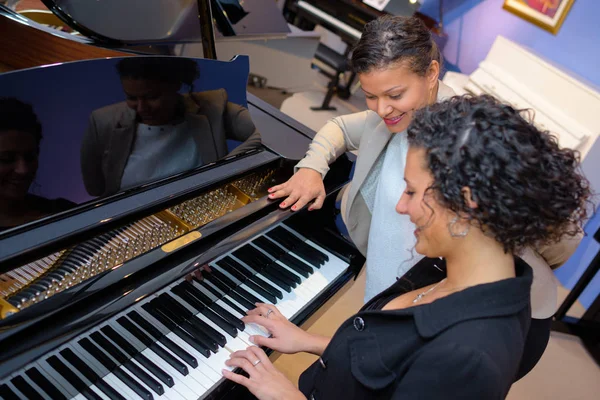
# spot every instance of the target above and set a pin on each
(547, 14)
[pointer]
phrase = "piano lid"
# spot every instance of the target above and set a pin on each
(166, 21)
(80, 134)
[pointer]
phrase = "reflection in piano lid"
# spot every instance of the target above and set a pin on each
(103, 127)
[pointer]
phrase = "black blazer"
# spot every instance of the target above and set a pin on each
(467, 345)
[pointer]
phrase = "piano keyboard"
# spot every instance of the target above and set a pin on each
(319, 14)
(173, 345)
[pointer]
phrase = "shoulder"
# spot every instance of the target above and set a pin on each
(366, 120)
(110, 111)
(208, 97)
(445, 92)
(112, 116)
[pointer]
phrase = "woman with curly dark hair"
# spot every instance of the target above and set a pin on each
(482, 184)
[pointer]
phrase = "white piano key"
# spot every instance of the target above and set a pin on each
(14, 389)
(354, 33)
(169, 391)
(69, 391)
(122, 388)
(197, 372)
(249, 330)
(34, 385)
(186, 386)
(232, 344)
(203, 362)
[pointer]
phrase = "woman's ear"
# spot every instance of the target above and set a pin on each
(433, 72)
(468, 197)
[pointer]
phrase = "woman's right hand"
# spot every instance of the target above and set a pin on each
(285, 336)
(304, 186)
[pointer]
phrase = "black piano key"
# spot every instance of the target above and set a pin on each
(271, 248)
(233, 267)
(73, 379)
(143, 360)
(296, 265)
(122, 359)
(255, 254)
(288, 275)
(25, 388)
(195, 327)
(243, 302)
(202, 348)
(220, 311)
(296, 245)
(210, 289)
(168, 343)
(122, 375)
(274, 277)
(197, 292)
(241, 291)
(305, 247)
(266, 294)
(45, 384)
(7, 393)
(218, 284)
(190, 299)
(92, 376)
(148, 342)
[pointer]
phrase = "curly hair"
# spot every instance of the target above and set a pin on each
(528, 190)
(157, 68)
(389, 40)
(18, 116)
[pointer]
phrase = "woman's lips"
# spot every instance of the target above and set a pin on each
(395, 120)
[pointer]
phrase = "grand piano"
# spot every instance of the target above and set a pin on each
(102, 299)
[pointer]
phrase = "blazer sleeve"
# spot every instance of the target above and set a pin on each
(338, 136)
(452, 372)
(239, 126)
(558, 253)
(91, 160)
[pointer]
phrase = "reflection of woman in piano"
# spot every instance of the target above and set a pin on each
(20, 137)
(157, 132)
(476, 174)
(398, 66)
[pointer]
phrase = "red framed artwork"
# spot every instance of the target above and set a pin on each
(547, 14)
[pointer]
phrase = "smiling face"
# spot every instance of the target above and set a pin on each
(153, 101)
(18, 164)
(418, 202)
(396, 92)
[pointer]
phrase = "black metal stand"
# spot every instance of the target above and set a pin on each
(588, 327)
(206, 29)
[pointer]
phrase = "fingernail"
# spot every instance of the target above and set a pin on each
(310, 208)
(223, 371)
(270, 190)
(294, 208)
(251, 339)
(271, 195)
(282, 204)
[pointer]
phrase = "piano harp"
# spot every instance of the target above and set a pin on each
(100, 301)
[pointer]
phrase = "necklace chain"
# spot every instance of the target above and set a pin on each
(426, 292)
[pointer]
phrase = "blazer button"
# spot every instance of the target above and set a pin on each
(359, 324)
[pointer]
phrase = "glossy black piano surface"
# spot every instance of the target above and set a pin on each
(103, 283)
(134, 22)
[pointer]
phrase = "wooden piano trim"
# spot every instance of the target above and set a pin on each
(23, 46)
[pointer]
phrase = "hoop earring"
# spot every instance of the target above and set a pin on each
(452, 229)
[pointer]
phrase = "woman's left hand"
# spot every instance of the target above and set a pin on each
(264, 381)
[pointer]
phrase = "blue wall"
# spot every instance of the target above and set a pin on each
(472, 26)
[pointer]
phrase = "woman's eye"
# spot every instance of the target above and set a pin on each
(396, 97)
(371, 97)
(409, 192)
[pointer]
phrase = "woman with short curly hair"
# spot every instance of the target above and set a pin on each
(482, 184)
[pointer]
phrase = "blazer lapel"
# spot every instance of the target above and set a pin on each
(200, 127)
(118, 150)
(369, 151)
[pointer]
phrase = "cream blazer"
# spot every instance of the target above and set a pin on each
(366, 132)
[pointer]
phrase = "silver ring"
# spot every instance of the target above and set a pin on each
(255, 363)
(268, 313)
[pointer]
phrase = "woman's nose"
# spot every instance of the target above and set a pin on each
(401, 206)
(383, 109)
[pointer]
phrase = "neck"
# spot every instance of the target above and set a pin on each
(476, 260)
